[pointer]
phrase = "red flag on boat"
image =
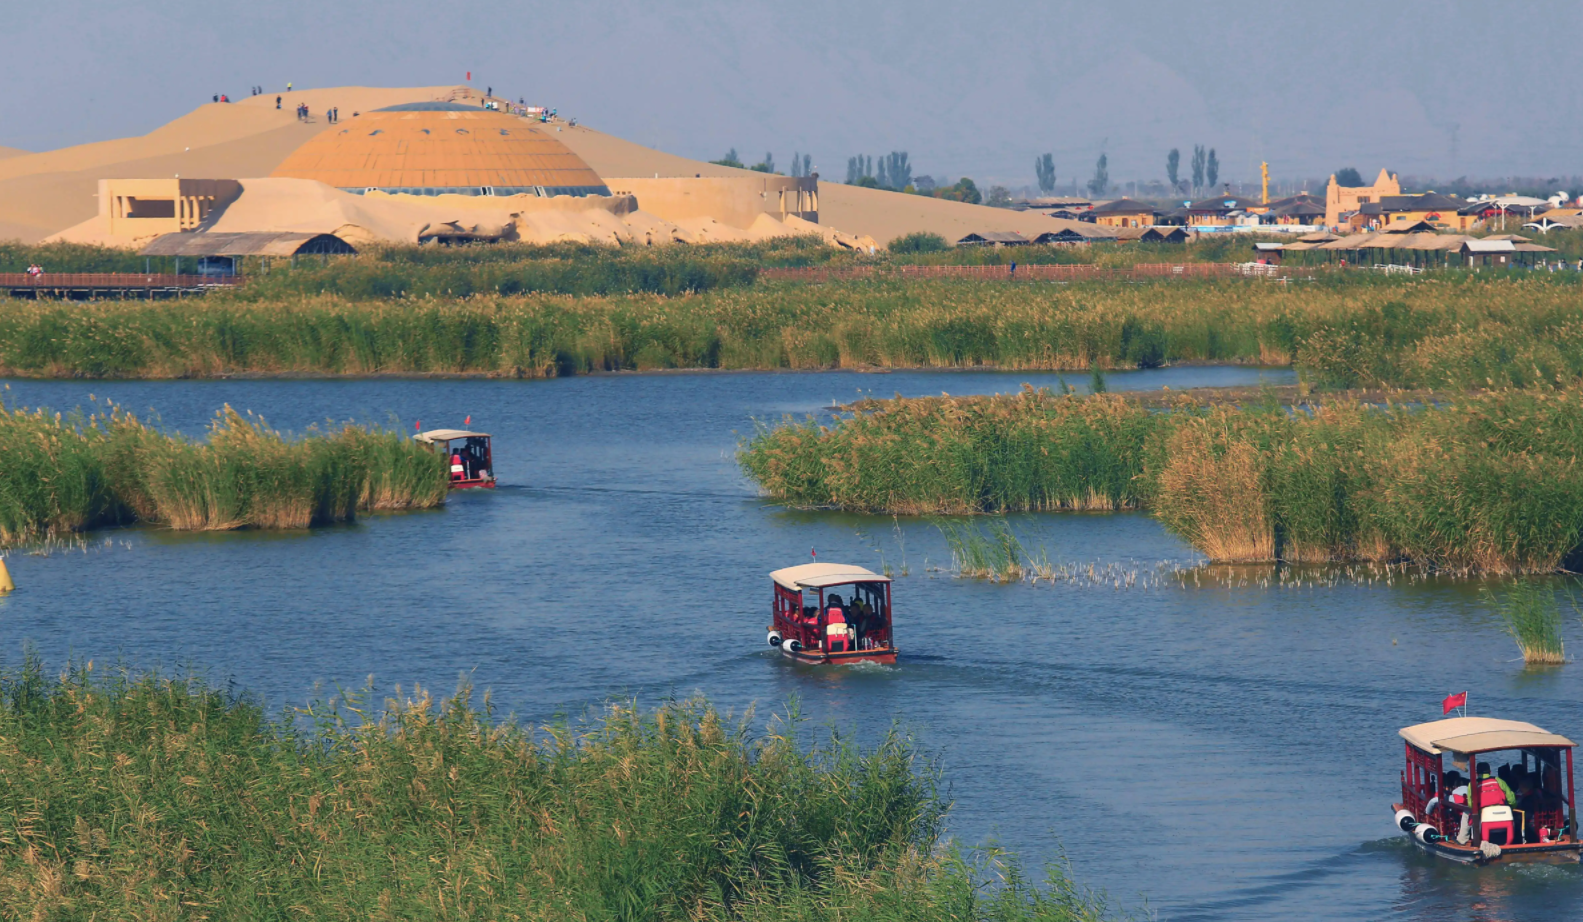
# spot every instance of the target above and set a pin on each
(1459, 700)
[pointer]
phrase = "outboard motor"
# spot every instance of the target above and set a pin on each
(775, 638)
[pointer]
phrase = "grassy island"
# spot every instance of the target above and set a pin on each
(69, 473)
(144, 797)
(1488, 482)
(578, 314)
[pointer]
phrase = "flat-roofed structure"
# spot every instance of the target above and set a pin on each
(140, 208)
(441, 148)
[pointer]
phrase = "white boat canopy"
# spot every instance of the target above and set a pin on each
(821, 575)
(446, 435)
(1479, 734)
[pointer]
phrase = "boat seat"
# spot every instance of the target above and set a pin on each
(1498, 819)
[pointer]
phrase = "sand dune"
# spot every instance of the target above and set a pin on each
(45, 193)
(855, 210)
(6, 152)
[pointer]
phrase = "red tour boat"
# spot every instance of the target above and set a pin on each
(832, 613)
(1507, 794)
(471, 460)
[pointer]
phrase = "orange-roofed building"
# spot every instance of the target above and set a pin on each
(441, 148)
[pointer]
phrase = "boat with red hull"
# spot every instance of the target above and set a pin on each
(1506, 796)
(814, 623)
(472, 460)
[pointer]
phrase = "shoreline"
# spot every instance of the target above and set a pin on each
(6, 373)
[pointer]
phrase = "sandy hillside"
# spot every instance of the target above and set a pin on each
(6, 152)
(869, 212)
(43, 193)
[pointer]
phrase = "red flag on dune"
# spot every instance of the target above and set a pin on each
(468, 421)
(1459, 700)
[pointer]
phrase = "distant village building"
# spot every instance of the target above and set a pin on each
(1438, 212)
(994, 239)
(1341, 202)
(1123, 212)
(1301, 210)
(1221, 211)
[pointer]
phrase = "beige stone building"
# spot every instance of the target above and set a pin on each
(1341, 200)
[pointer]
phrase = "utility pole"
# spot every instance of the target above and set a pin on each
(1264, 173)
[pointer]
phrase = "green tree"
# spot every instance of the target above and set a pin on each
(894, 170)
(1044, 168)
(1212, 168)
(1200, 159)
(859, 167)
(919, 242)
(965, 190)
(767, 165)
(1349, 176)
(1101, 180)
(998, 197)
(730, 159)
(1173, 169)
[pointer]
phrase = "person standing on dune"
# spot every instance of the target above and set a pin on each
(277, 102)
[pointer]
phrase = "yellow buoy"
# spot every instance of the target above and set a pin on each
(5, 578)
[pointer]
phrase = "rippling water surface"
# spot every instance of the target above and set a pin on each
(1208, 746)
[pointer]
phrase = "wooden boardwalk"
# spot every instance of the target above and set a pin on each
(1025, 272)
(80, 285)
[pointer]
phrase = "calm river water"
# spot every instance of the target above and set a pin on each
(1209, 752)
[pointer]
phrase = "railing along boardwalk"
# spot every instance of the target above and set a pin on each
(1024, 272)
(113, 284)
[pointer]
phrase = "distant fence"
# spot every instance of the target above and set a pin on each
(109, 284)
(1023, 272)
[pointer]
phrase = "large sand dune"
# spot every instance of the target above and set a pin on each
(6, 152)
(44, 193)
(855, 210)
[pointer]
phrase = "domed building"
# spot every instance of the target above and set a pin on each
(441, 148)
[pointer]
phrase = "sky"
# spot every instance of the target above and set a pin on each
(1440, 89)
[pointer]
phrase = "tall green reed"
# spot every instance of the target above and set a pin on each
(1487, 482)
(1529, 612)
(1451, 334)
(67, 474)
(991, 552)
(145, 796)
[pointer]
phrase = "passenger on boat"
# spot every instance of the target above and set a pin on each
(1458, 786)
(1493, 791)
(862, 619)
(837, 631)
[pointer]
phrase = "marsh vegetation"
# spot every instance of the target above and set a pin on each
(1487, 482)
(70, 473)
(141, 796)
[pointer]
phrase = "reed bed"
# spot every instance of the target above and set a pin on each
(994, 552)
(1530, 613)
(1451, 333)
(148, 797)
(68, 474)
(1486, 483)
